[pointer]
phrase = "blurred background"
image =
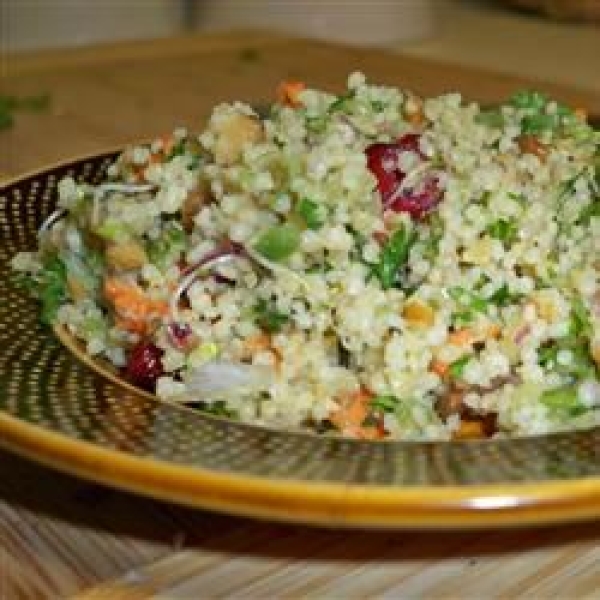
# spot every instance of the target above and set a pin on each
(469, 32)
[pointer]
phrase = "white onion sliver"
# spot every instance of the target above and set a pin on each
(277, 268)
(219, 379)
(51, 219)
(124, 188)
(589, 393)
(187, 281)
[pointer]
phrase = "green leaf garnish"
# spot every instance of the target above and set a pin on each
(505, 230)
(268, 317)
(385, 403)
(457, 368)
(394, 256)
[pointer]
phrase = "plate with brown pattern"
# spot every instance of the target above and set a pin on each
(65, 410)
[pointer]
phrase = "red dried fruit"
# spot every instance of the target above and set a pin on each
(144, 365)
(418, 204)
(382, 160)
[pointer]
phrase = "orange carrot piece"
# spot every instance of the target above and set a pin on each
(461, 337)
(288, 92)
(352, 412)
(134, 310)
(257, 343)
(493, 331)
(439, 367)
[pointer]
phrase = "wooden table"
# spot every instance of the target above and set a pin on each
(61, 537)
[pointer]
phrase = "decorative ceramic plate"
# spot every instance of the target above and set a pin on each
(66, 412)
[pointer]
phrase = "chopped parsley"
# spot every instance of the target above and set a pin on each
(268, 317)
(394, 256)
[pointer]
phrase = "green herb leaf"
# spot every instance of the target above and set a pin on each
(503, 297)
(580, 323)
(505, 230)
(316, 124)
(564, 400)
(53, 288)
(592, 210)
(167, 249)
(10, 104)
(340, 103)
(312, 213)
(384, 403)
(217, 408)
(492, 118)
(268, 317)
(378, 105)
(468, 299)
(49, 286)
(278, 242)
(538, 123)
(529, 100)
(394, 256)
(457, 368)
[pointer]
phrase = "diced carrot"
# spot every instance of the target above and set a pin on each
(493, 331)
(461, 337)
(439, 367)
(261, 342)
(581, 114)
(352, 412)
(288, 92)
(134, 310)
(168, 141)
(257, 343)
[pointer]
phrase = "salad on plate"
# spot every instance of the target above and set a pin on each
(371, 264)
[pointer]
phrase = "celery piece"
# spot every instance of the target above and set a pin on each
(279, 242)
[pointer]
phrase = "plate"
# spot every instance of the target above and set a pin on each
(63, 412)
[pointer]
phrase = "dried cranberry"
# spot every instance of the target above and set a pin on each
(144, 365)
(418, 204)
(382, 160)
(410, 142)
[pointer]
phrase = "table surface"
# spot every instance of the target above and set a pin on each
(62, 537)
